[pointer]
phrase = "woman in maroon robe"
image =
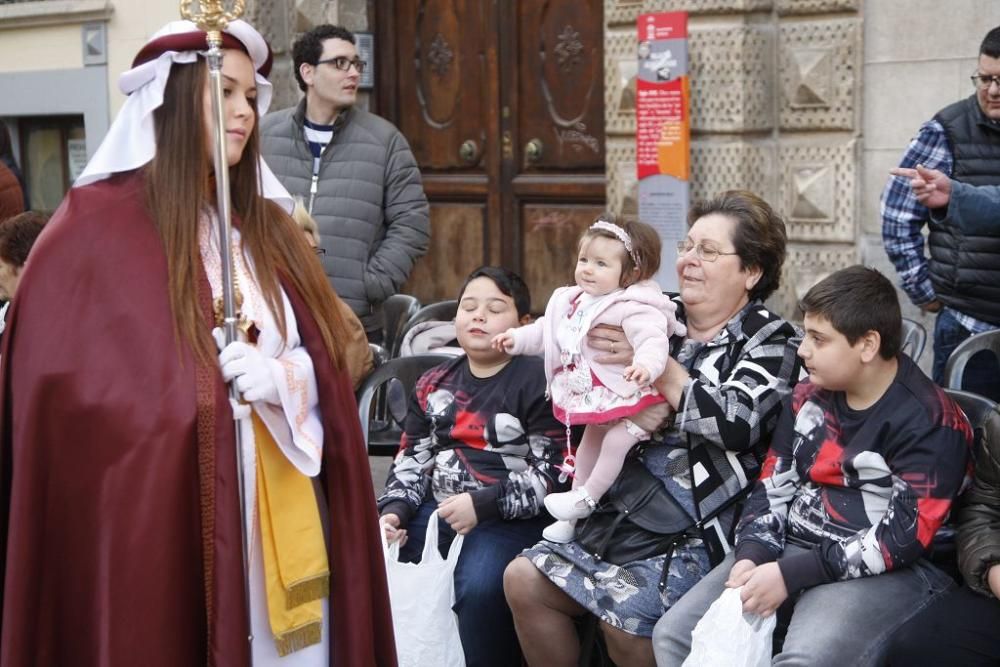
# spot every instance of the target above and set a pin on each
(120, 519)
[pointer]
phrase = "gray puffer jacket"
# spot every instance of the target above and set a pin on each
(370, 206)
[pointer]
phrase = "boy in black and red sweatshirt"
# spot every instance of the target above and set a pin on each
(862, 470)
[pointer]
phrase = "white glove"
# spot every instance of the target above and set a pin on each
(251, 371)
(240, 410)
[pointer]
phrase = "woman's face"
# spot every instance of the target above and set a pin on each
(239, 102)
(9, 277)
(720, 284)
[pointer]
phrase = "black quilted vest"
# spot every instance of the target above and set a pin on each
(965, 269)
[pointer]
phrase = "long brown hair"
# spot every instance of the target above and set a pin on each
(178, 188)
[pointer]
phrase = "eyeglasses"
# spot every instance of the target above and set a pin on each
(706, 253)
(343, 63)
(320, 251)
(984, 81)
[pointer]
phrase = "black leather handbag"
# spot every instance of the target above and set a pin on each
(637, 519)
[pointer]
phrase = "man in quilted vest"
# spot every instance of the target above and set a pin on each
(958, 281)
(354, 171)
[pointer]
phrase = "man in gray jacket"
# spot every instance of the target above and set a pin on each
(354, 171)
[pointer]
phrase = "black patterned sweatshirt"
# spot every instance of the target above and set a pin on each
(863, 490)
(495, 438)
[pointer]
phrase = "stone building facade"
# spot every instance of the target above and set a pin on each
(806, 102)
(776, 91)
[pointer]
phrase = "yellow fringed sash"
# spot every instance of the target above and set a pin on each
(296, 568)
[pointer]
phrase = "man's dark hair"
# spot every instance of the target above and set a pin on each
(18, 234)
(309, 47)
(857, 300)
(759, 236)
(991, 44)
(508, 282)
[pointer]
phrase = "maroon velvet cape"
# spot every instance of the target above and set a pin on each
(119, 511)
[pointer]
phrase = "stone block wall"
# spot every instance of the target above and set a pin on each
(776, 109)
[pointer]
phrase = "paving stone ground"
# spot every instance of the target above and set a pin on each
(380, 468)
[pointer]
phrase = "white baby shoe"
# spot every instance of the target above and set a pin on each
(575, 504)
(560, 532)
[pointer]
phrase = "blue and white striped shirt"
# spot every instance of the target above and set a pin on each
(903, 219)
(317, 136)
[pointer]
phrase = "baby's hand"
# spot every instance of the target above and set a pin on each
(503, 342)
(637, 374)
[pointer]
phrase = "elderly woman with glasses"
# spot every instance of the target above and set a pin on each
(725, 380)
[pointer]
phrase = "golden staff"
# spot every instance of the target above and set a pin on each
(213, 18)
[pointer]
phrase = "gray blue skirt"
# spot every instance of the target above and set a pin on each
(628, 596)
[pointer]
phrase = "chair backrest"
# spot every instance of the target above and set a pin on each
(955, 367)
(984, 418)
(442, 310)
(396, 312)
(914, 339)
(977, 408)
(380, 355)
(399, 378)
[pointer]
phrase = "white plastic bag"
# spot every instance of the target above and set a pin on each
(726, 637)
(421, 595)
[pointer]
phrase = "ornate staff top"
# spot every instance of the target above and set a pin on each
(212, 17)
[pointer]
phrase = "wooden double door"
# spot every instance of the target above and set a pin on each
(502, 102)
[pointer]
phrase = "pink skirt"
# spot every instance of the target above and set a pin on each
(598, 404)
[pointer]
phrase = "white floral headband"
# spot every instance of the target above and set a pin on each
(621, 235)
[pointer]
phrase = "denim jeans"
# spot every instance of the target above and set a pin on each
(958, 629)
(982, 374)
(484, 619)
(835, 624)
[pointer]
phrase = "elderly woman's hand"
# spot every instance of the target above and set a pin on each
(671, 383)
(611, 343)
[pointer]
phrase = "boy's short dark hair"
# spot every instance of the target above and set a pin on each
(991, 44)
(309, 47)
(857, 300)
(18, 234)
(508, 282)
